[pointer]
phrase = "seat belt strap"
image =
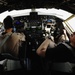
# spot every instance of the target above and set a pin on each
(4, 40)
(70, 48)
(67, 45)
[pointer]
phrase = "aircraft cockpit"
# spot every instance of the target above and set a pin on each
(37, 25)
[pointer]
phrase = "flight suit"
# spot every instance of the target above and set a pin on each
(12, 44)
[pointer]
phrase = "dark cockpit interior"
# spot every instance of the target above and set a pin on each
(36, 25)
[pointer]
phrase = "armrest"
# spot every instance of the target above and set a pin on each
(9, 56)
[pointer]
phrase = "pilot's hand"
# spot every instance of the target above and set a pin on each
(50, 37)
(64, 31)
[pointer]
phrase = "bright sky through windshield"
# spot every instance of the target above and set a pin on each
(42, 11)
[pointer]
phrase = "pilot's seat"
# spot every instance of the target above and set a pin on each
(9, 62)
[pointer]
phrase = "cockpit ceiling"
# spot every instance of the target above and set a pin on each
(68, 5)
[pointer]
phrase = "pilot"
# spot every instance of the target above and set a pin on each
(62, 55)
(15, 40)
